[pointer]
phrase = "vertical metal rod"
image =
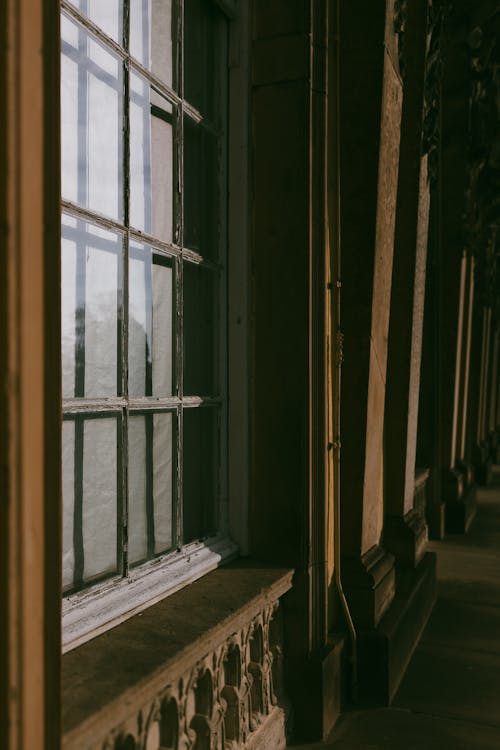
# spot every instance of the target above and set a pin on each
(336, 309)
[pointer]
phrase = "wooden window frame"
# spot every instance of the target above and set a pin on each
(91, 610)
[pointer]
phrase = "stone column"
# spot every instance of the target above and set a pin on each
(497, 418)
(482, 461)
(372, 62)
(405, 531)
(462, 456)
(371, 97)
(429, 423)
(475, 362)
(459, 360)
(492, 392)
(454, 295)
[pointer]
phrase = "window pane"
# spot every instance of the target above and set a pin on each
(200, 457)
(151, 160)
(68, 491)
(91, 283)
(201, 190)
(150, 362)
(99, 497)
(200, 318)
(201, 48)
(89, 499)
(71, 318)
(91, 122)
(107, 14)
(151, 38)
(150, 510)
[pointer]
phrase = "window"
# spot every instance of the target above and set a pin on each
(143, 86)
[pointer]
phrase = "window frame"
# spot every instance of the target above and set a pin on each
(92, 610)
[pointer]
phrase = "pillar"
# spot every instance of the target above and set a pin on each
(462, 455)
(482, 460)
(492, 392)
(453, 276)
(405, 531)
(429, 423)
(371, 93)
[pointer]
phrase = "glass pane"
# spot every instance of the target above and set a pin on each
(68, 491)
(150, 352)
(150, 505)
(200, 318)
(99, 497)
(163, 451)
(70, 317)
(137, 490)
(107, 14)
(151, 38)
(200, 457)
(151, 160)
(91, 123)
(91, 282)
(201, 190)
(203, 27)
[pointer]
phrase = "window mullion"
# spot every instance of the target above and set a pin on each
(222, 296)
(179, 267)
(123, 529)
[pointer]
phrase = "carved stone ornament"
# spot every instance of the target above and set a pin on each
(220, 702)
(436, 13)
(400, 14)
(482, 208)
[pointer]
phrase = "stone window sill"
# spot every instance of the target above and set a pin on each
(116, 684)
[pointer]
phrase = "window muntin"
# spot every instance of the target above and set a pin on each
(143, 274)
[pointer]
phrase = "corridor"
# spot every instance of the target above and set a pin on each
(450, 696)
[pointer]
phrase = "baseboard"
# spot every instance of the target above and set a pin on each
(483, 472)
(384, 653)
(435, 516)
(460, 513)
(317, 694)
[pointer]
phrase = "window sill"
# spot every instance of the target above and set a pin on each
(89, 613)
(121, 679)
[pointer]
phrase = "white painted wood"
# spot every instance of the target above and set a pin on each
(91, 612)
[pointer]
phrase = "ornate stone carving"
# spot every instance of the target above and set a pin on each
(482, 209)
(219, 702)
(400, 11)
(432, 87)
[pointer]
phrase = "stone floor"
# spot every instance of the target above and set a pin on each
(450, 696)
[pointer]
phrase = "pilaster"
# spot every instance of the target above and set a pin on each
(289, 488)
(405, 533)
(481, 453)
(455, 290)
(371, 91)
(388, 616)
(462, 457)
